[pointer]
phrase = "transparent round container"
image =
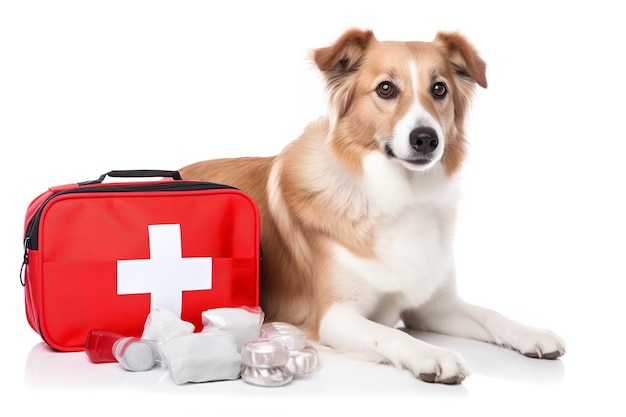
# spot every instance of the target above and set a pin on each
(266, 377)
(303, 361)
(264, 353)
(289, 335)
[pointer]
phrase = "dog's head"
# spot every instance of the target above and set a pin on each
(405, 99)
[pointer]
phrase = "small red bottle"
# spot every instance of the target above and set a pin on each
(99, 346)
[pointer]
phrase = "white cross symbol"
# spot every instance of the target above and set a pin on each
(166, 274)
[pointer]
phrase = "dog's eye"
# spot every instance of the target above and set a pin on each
(439, 90)
(386, 89)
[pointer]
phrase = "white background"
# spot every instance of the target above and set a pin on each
(86, 87)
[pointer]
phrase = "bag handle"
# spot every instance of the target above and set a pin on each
(135, 173)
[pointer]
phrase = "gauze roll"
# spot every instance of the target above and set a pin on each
(243, 322)
(202, 357)
(162, 325)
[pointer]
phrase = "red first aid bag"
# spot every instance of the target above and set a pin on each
(101, 255)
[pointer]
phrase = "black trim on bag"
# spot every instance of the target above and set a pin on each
(135, 173)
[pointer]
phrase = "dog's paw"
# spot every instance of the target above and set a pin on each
(440, 366)
(541, 344)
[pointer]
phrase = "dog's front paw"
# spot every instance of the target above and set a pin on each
(441, 366)
(541, 344)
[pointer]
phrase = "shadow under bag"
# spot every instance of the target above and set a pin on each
(101, 255)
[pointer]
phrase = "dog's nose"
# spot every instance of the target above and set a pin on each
(424, 140)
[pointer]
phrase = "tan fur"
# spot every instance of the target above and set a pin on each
(358, 213)
(309, 195)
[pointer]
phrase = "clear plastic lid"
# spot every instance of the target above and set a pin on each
(278, 327)
(267, 377)
(289, 335)
(264, 353)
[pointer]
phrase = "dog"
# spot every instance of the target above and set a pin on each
(358, 213)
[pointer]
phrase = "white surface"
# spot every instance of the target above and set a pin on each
(86, 87)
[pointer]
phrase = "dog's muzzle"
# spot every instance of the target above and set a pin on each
(423, 142)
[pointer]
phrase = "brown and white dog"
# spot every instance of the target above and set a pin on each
(358, 213)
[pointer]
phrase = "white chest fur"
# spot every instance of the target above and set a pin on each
(412, 220)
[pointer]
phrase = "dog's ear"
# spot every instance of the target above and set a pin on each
(468, 69)
(344, 55)
(339, 62)
(465, 61)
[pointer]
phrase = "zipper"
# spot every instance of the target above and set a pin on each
(24, 262)
(31, 236)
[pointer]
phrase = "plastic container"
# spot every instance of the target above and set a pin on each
(99, 346)
(287, 334)
(264, 353)
(280, 354)
(133, 353)
(303, 361)
(267, 377)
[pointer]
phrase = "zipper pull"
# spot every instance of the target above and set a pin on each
(24, 262)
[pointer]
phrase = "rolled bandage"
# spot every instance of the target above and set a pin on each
(162, 325)
(202, 357)
(135, 354)
(242, 322)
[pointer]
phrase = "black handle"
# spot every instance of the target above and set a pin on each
(135, 173)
